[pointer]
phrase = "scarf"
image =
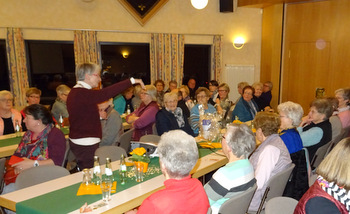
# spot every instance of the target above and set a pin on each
(337, 192)
(35, 149)
(179, 117)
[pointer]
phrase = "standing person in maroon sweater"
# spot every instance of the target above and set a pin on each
(85, 130)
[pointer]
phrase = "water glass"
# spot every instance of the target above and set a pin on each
(138, 167)
(87, 177)
(106, 187)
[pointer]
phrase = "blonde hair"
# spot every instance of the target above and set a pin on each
(336, 165)
(152, 91)
(186, 89)
(33, 90)
(170, 95)
(61, 89)
(3, 93)
(258, 84)
(268, 122)
(225, 86)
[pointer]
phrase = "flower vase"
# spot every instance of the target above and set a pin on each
(145, 165)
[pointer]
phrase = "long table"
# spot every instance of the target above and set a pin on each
(41, 197)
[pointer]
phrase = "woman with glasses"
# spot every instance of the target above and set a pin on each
(143, 118)
(203, 95)
(246, 108)
(9, 116)
(223, 104)
(59, 108)
(171, 117)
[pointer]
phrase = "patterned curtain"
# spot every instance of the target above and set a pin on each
(167, 57)
(217, 59)
(17, 63)
(86, 48)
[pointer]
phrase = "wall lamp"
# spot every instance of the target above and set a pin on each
(199, 4)
(125, 55)
(238, 42)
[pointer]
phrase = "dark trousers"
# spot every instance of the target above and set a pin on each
(84, 155)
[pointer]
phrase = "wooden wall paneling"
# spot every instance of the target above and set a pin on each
(271, 48)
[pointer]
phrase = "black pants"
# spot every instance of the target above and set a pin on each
(84, 154)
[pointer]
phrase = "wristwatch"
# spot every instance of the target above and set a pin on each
(36, 163)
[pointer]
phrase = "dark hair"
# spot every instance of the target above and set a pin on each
(214, 83)
(248, 87)
(323, 106)
(39, 112)
(159, 81)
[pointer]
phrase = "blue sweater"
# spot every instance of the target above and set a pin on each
(292, 140)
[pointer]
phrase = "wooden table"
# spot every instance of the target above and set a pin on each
(121, 201)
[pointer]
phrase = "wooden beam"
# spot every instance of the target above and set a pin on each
(265, 3)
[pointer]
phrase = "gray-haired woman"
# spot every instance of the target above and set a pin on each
(237, 144)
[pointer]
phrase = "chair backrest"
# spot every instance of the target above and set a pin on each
(319, 155)
(40, 174)
(65, 158)
(276, 185)
(2, 172)
(150, 138)
(125, 138)
(154, 129)
(112, 152)
(277, 204)
(238, 204)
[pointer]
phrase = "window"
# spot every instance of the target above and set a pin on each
(124, 60)
(197, 64)
(50, 64)
(4, 75)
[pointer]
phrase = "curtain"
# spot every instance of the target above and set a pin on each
(86, 48)
(217, 57)
(167, 57)
(17, 64)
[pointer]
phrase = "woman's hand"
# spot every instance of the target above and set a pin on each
(23, 165)
(139, 81)
(132, 118)
(305, 121)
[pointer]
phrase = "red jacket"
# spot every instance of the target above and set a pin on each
(316, 191)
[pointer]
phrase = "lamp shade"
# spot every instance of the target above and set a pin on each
(199, 4)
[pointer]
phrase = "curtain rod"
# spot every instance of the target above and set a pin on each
(111, 31)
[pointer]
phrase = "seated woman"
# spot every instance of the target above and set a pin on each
(258, 89)
(111, 123)
(59, 108)
(136, 100)
(246, 108)
(237, 175)
(203, 96)
(32, 96)
(223, 104)
(343, 96)
(330, 192)
(123, 101)
(143, 118)
(159, 84)
(271, 157)
(178, 154)
(213, 88)
(171, 117)
(9, 116)
(315, 129)
(290, 115)
(186, 97)
(42, 144)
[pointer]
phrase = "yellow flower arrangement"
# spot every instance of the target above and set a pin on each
(138, 151)
(139, 154)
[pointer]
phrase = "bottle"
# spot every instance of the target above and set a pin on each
(60, 121)
(128, 111)
(123, 171)
(108, 170)
(96, 177)
(17, 129)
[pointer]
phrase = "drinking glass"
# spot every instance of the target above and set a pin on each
(106, 187)
(138, 167)
(86, 177)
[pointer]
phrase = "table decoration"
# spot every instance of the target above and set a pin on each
(139, 156)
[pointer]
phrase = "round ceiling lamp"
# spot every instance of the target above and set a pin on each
(199, 4)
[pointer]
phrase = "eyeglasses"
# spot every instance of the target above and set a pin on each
(222, 90)
(33, 96)
(6, 100)
(200, 97)
(96, 75)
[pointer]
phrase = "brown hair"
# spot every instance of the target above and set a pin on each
(268, 122)
(206, 91)
(323, 106)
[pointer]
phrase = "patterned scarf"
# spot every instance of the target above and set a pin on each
(179, 117)
(337, 192)
(35, 149)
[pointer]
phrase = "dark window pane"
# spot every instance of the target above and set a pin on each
(197, 64)
(4, 75)
(51, 63)
(136, 62)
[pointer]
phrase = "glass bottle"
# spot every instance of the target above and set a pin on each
(17, 129)
(108, 170)
(96, 177)
(123, 170)
(60, 121)
(128, 111)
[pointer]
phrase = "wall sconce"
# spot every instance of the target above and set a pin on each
(238, 43)
(199, 4)
(125, 55)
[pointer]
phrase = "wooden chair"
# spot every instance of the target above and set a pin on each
(40, 174)
(276, 185)
(238, 204)
(112, 152)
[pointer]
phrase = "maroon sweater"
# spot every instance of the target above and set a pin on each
(84, 118)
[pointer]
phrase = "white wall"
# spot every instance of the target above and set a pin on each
(176, 16)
